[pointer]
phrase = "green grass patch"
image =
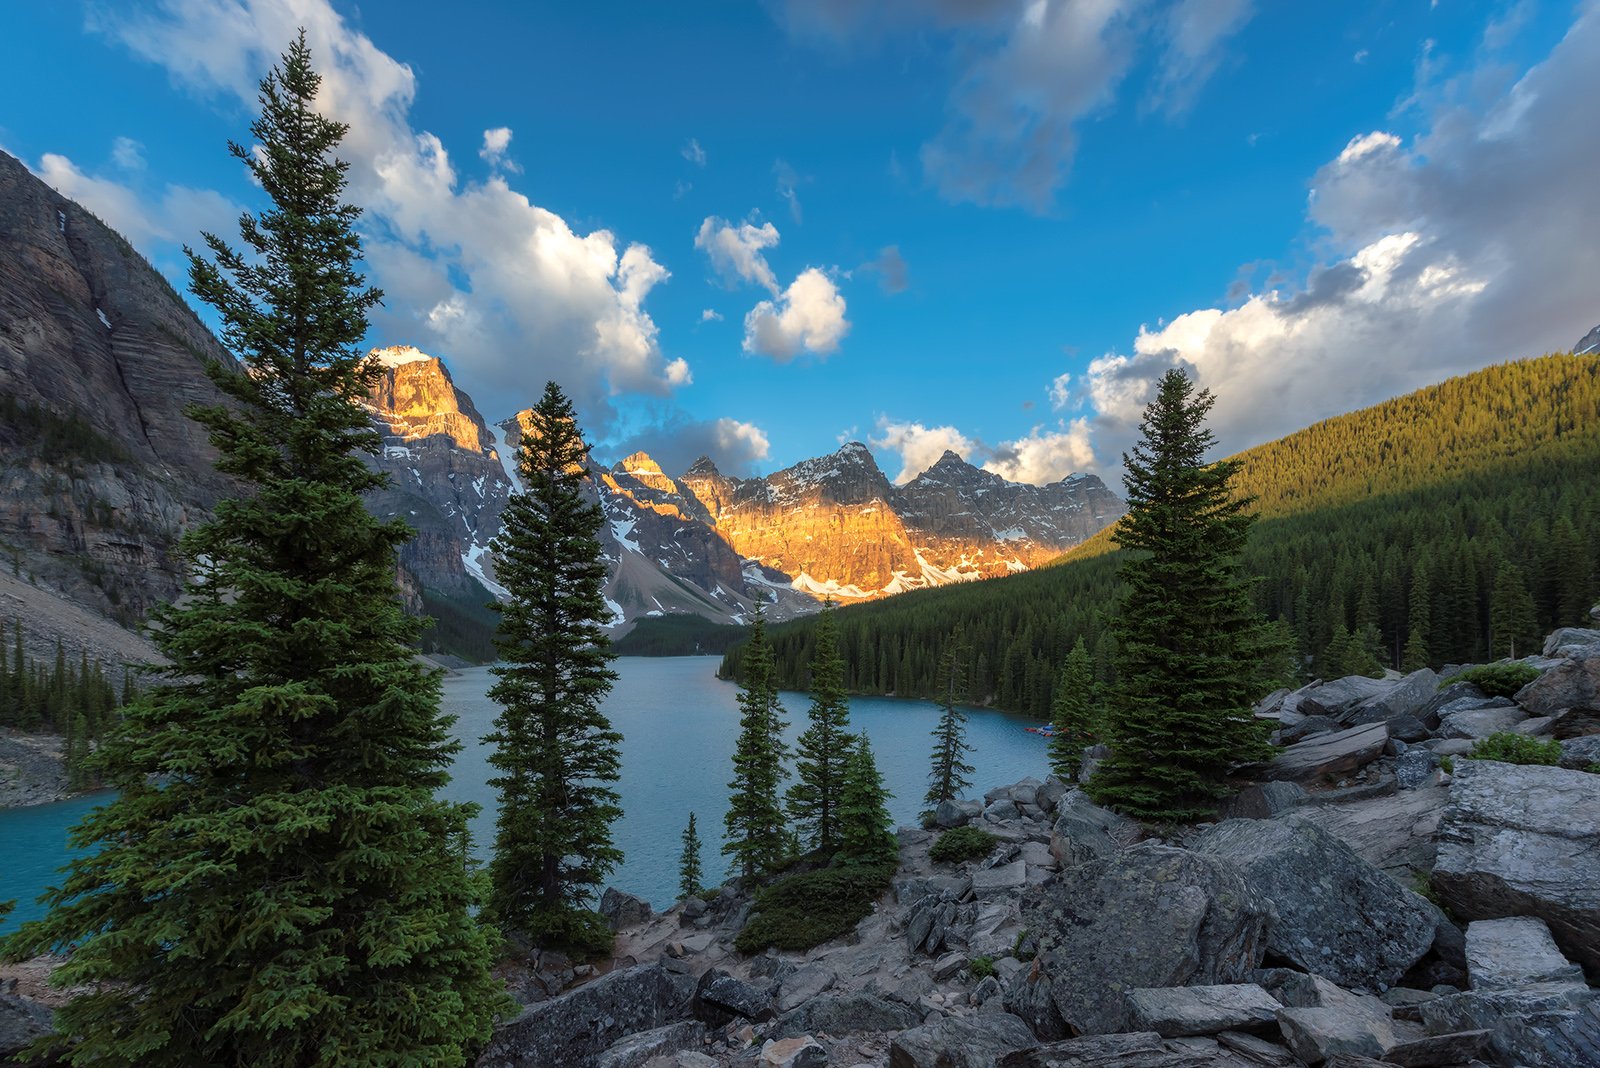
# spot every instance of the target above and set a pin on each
(1509, 748)
(962, 843)
(805, 910)
(1496, 680)
(981, 967)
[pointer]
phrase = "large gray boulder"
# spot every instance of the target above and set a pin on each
(1260, 801)
(1138, 1049)
(960, 1042)
(1555, 1025)
(719, 998)
(1515, 951)
(1564, 641)
(1083, 830)
(622, 909)
(1326, 755)
(636, 1049)
(1581, 753)
(1173, 1012)
(1402, 700)
(1333, 699)
(573, 1029)
(1573, 683)
(23, 1021)
(839, 1014)
(1149, 916)
(1316, 1035)
(1524, 841)
(1475, 718)
(1335, 914)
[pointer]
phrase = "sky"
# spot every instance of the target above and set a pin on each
(758, 230)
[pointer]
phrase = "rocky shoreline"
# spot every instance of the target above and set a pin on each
(1371, 896)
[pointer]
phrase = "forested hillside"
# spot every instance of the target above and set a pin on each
(1449, 525)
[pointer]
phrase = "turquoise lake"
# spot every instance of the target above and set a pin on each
(678, 722)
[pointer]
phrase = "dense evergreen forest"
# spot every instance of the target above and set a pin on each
(71, 698)
(1454, 524)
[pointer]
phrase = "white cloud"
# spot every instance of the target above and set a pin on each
(505, 290)
(735, 446)
(127, 154)
(692, 152)
(495, 144)
(1194, 31)
(735, 251)
(807, 317)
(738, 438)
(1044, 455)
(710, 315)
(919, 446)
(174, 215)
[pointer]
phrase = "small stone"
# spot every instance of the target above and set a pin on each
(801, 1052)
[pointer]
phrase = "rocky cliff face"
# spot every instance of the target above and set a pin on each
(100, 469)
(448, 476)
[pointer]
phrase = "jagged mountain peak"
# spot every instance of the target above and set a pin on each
(416, 398)
(1589, 344)
(703, 466)
(638, 462)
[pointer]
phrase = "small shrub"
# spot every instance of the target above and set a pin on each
(962, 843)
(981, 967)
(1496, 680)
(1593, 769)
(581, 934)
(1022, 948)
(805, 910)
(1448, 763)
(1512, 748)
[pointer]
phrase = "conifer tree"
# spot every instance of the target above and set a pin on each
(277, 882)
(866, 830)
(824, 749)
(1073, 713)
(690, 875)
(555, 751)
(1190, 643)
(1511, 615)
(948, 776)
(1415, 657)
(757, 838)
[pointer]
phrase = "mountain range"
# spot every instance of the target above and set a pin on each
(101, 471)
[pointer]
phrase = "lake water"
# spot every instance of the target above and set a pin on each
(678, 722)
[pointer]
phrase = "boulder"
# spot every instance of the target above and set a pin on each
(622, 909)
(1395, 834)
(960, 1042)
(1002, 811)
(1448, 694)
(1478, 719)
(1402, 700)
(1564, 641)
(1573, 683)
(1333, 699)
(1439, 1051)
(1083, 831)
(1575, 722)
(720, 998)
(1579, 754)
(1554, 1025)
(805, 983)
(1335, 914)
(1260, 801)
(1050, 792)
(949, 814)
(1004, 879)
(634, 1050)
(1173, 1012)
(839, 1014)
(1149, 916)
(1515, 951)
(1325, 755)
(1414, 768)
(1091, 759)
(1315, 1035)
(576, 1027)
(1304, 727)
(23, 1021)
(1524, 841)
(802, 1051)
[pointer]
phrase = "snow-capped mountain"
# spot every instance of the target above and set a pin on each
(707, 544)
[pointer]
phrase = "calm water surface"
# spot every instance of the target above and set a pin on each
(678, 723)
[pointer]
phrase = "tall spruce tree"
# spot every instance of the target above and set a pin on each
(1073, 713)
(691, 877)
(866, 831)
(757, 838)
(1191, 645)
(277, 882)
(554, 749)
(948, 776)
(824, 749)
(1512, 625)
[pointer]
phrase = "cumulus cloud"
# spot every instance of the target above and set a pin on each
(807, 317)
(1029, 72)
(735, 252)
(495, 144)
(476, 272)
(735, 446)
(890, 267)
(710, 315)
(1044, 455)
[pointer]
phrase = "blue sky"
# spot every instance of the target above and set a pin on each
(758, 229)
